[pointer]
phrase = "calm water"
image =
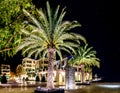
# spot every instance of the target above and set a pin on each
(93, 88)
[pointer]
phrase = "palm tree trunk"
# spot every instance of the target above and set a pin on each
(82, 73)
(50, 81)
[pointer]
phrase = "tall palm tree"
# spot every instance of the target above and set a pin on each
(86, 56)
(47, 35)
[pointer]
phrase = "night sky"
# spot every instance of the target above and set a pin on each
(98, 20)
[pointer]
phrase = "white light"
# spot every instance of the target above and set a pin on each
(109, 86)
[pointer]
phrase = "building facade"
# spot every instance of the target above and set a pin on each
(5, 69)
(35, 68)
(29, 67)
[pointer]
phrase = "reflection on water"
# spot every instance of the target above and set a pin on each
(97, 88)
(93, 88)
(109, 85)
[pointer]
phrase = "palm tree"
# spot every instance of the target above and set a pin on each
(48, 35)
(86, 56)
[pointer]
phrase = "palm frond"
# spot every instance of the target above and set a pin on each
(43, 19)
(87, 56)
(59, 53)
(46, 29)
(49, 12)
(34, 20)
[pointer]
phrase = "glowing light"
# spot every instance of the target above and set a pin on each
(63, 73)
(60, 78)
(109, 86)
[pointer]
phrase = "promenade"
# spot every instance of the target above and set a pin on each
(106, 87)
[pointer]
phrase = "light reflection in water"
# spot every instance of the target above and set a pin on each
(76, 87)
(109, 85)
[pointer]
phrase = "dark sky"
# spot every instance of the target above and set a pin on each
(98, 19)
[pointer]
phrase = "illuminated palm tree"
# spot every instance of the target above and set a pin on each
(86, 56)
(47, 35)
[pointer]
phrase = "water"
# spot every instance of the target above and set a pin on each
(98, 88)
(93, 88)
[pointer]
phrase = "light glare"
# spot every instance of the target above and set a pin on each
(109, 86)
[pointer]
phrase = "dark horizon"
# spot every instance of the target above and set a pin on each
(97, 27)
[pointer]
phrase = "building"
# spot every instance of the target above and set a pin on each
(39, 68)
(29, 67)
(5, 69)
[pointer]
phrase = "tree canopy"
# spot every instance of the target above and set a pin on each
(87, 56)
(11, 19)
(48, 29)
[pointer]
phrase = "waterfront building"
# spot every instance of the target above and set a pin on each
(5, 69)
(39, 68)
(29, 67)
